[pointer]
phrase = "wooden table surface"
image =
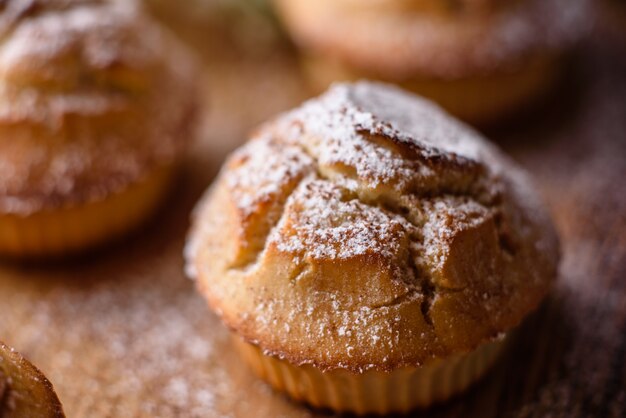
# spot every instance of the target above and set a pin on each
(121, 333)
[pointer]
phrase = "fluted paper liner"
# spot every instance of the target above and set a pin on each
(377, 392)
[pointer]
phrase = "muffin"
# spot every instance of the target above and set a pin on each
(481, 60)
(97, 104)
(369, 253)
(24, 390)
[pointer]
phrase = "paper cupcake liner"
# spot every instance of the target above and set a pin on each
(376, 392)
(479, 99)
(70, 229)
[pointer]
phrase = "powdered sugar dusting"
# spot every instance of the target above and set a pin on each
(329, 139)
(445, 217)
(377, 137)
(141, 341)
(323, 223)
(260, 170)
(349, 110)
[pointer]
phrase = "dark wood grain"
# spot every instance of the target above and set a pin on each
(122, 333)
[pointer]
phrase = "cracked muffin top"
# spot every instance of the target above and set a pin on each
(93, 96)
(369, 230)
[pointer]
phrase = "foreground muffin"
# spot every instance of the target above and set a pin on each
(481, 60)
(369, 253)
(97, 104)
(24, 390)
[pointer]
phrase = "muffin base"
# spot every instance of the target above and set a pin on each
(480, 99)
(51, 233)
(372, 391)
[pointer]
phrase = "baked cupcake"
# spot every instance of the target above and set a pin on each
(97, 104)
(369, 253)
(24, 390)
(479, 59)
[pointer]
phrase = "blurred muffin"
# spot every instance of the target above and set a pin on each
(24, 390)
(97, 105)
(479, 59)
(369, 253)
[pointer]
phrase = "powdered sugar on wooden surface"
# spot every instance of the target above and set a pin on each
(134, 341)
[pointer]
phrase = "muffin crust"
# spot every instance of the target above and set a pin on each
(368, 230)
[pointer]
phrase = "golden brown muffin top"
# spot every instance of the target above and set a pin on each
(368, 230)
(24, 390)
(393, 43)
(93, 95)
